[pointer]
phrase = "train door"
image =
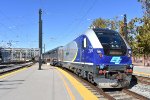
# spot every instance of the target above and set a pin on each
(83, 56)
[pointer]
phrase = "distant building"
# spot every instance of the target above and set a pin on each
(18, 54)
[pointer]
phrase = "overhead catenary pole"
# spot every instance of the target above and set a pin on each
(40, 38)
(125, 27)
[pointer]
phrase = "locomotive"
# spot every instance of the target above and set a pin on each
(102, 56)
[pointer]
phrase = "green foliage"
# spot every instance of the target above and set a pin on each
(146, 7)
(105, 23)
(121, 27)
(100, 23)
(143, 37)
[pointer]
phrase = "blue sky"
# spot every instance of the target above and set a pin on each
(63, 20)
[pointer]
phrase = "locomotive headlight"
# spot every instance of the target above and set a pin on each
(129, 53)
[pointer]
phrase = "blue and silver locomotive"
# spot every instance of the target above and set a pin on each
(100, 55)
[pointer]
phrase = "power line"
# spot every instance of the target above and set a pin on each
(79, 21)
(82, 17)
(15, 28)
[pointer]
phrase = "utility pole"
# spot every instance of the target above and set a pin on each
(40, 38)
(125, 27)
(44, 53)
(44, 48)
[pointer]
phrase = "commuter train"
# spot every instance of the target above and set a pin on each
(53, 57)
(102, 56)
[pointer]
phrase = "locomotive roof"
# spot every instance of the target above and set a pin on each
(103, 30)
(52, 50)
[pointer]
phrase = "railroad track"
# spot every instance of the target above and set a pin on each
(141, 79)
(124, 94)
(108, 94)
(8, 68)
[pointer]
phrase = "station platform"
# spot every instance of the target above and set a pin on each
(50, 83)
(141, 71)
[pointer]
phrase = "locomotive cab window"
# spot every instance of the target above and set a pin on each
(112, 43)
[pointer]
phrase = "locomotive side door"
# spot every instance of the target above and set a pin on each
(82, 56)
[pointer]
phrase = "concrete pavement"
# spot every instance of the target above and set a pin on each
(141, 71)
(33, 84)
(46, 84)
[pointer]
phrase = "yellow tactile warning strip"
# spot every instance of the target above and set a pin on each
(67, 88)
(141, 73)
(13, 72)
(84, 92)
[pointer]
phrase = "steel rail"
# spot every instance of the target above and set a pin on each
(99, 90)
(13, 69)
(102, 92)
(138, 96)
(144, 80)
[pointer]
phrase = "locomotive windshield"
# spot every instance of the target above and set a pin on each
(112, 42)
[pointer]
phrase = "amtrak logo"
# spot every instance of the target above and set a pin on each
(116, 60)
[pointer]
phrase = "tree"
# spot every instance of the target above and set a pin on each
(144, 35)
(132, 34)
(121, 27)
(99, 23)
(146, 6)
(106, 23)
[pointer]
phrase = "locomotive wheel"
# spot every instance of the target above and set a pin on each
(90, 78)
(79, 70)
(76, 71)
(83, 74)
